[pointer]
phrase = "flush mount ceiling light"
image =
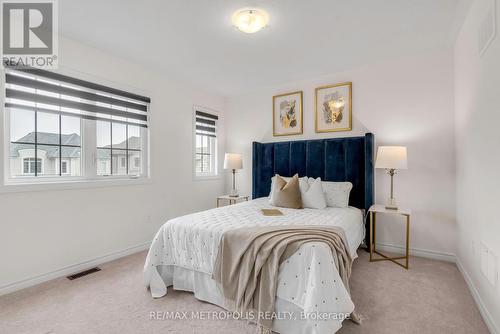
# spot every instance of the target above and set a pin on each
(250, 20)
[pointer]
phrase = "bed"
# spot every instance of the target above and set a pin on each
(184, 250)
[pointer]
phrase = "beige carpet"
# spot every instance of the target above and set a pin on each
(431, 297)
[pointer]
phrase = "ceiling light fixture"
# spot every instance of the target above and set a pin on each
(250, 20)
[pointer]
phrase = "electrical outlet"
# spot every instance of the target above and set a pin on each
(488, 262)
(149, 219)
(498, 275)
(492, 268)
(483, 259)
(487, 27)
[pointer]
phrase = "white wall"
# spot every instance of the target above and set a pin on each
(477, 105)
(89, 223)
(403, 102)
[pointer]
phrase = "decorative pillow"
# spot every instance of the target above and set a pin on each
(312, 194)
(336, 193)
(286, 194)
(287, 179)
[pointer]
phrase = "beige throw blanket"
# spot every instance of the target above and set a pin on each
(248, 261)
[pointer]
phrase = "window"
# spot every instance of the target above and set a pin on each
(205, 155)
(48, 115)
(117, 145)
(43, 137)
(64, 167)
(30, 167)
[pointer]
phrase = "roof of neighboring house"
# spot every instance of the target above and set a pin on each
(66, 139)
(51, 138)
(133, 143)
(52, 151)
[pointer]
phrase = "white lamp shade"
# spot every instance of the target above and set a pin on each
(233, 161)
(391, 157)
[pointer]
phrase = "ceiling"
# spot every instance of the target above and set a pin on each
(194, 41)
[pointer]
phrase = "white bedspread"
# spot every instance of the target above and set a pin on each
(308, 279)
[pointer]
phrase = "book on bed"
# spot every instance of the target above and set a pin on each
(271, 212)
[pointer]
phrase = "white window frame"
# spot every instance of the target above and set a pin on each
(215, 174)
(89, 177)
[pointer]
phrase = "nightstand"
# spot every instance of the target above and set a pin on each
(378, 208)
(231, 199)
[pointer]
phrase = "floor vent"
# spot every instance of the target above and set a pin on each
(84, 273)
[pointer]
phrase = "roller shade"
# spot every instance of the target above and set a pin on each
(206, 124)
(39, 90)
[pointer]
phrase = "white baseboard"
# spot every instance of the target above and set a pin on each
(429, 254)
(71, 269)
(488, 319)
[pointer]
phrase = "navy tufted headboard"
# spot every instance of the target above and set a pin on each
(337, 159)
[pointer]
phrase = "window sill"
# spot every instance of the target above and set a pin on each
(206, 177)
(13, 187)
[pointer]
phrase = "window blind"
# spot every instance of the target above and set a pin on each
(206, 124)
(40, 90)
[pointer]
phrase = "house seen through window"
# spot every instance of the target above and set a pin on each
(44, 140)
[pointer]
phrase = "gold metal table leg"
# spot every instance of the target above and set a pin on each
(371, 236)
(373, 242)
(407, 241)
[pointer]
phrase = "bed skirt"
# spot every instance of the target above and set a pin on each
(290, 318)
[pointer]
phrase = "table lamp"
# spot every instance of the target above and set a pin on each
(233, 161)
(391, 158)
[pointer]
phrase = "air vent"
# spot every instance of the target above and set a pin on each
(84, 273)
(487, 28)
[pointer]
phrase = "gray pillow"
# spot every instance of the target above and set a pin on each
(336, 193)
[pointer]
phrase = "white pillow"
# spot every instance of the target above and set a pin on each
(287, 179)
(312, 194)
(336, 193)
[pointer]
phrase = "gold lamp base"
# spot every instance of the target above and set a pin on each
(391, 203)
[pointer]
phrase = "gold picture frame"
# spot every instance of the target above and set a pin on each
(287, 120)
(329, 113)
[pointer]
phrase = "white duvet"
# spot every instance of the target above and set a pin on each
(184, 250)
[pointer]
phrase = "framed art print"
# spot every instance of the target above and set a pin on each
(333, 107)
(287, 114)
